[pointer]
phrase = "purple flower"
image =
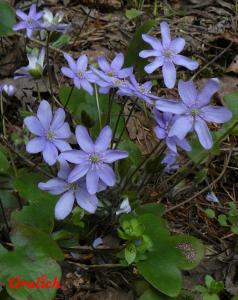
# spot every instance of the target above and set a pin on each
(167, 55)
(51, 132)
(142, 91)
(53, 23)
(107, 82)
(30, 22)
(170, 160)
(94, 159)
(97, 242)
(124, 208)
(194, 111)
(35, 67)
(70, 191)
(165, 121)
(111, 75)
(78, 72)
(9, 89)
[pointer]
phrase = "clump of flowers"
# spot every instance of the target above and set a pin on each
(194, 111)
(94, 159)
(51, 132)
(70, 191)
(30, 22)
(166, 53)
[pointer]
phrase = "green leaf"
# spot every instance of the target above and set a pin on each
(161, 273)
(7, 18)
(26, 183)
(191, 251)
(133, 13)
(36, 242)
(4, 164)
(137, 44)
(130, 253)
(17, 264)
(222, 219)
(153, 295)
(151, 208)
(210, 213)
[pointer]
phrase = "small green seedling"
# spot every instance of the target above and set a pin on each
(212, 288)
(230, 219)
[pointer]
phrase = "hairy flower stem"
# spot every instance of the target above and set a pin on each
(110, 101)
(98, 106)
(38, 91)
(129, 177)
(127, 120)
(69, 96)
(2, 116)
(48, 68)
(4, 217)
(117, 121)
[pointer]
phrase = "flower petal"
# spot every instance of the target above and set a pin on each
(86, 201)
(74, 156)
(29, 32)
(36, 145)
(54, 186)
(34, 125)
(62, 145)
(21, 14)
(104, 139)
(114, 155)
(181, 127)
(19, 26)
(68, 72)
(32, 10)
(124, 73)
(187, 91)
(103, 64)
(217, 114)
(83, 139)
(107, 175)
(184, 144)
(44, 114)
(92, 179)
(208, 90)
(87, 86)
(117, 62)
(82, 63)
(58, 119)
(71, 62)
(203, 133)
(177, 45)
(64, 206)
(50, 153)
(77, 82)
(165, 33)
(158, 62)
(169, 74)
(78, 172)
(174, 107)
(64, 169)
(63, 132)
(186, 62)
(160, 133)
(154, 42)
(149, 53)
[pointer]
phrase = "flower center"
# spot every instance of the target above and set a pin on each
(49, 135)
(81, 74)
(118, 82)
(168, 54)
(94, 158)
(194, 112)
(73, 186)
(30, 21)
(110, 73)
